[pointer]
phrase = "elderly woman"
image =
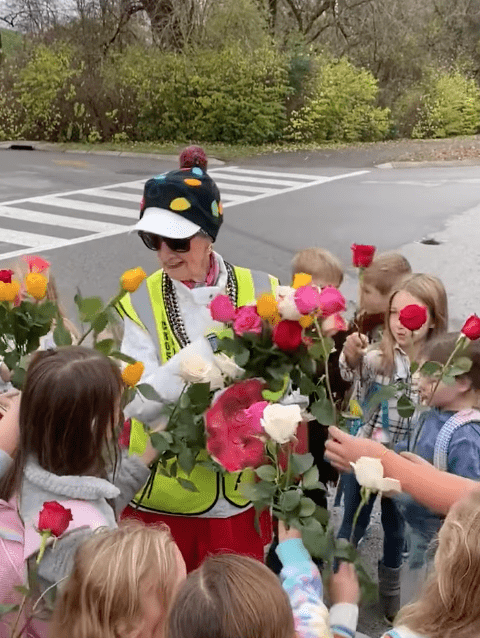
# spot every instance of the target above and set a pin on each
(181, 214)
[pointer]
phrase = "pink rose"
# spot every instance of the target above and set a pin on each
(331, 301)
(307, 299)
(253, 416)
(333, 324)
(247, 320)
(222, 309)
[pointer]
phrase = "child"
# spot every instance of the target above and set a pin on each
(449, 606)
(382, 365)
(122, 585)
(233, 596)
(325, 268)
(69, 414)
(447, 435)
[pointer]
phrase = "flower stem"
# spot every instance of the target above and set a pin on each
(365, 496)
(45, 536)
(17, 619)
(327, 372)
(459, 344)
(113, 301)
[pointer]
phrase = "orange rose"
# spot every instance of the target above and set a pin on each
(132, 374)
(9, 292)
(36, 285)
(131, 279)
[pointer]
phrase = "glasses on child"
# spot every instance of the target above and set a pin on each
(154, 242)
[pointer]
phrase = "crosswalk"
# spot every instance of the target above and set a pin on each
(49, 221)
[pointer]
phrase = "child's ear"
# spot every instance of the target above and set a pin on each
(464, 384)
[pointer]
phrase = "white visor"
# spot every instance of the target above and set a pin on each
(166, 224)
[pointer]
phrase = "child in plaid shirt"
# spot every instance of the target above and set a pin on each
(370, 369)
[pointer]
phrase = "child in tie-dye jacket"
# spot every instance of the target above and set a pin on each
(237, 596)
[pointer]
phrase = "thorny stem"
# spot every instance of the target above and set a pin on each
(327, 372)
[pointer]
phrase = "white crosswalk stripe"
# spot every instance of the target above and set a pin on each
(48, 221)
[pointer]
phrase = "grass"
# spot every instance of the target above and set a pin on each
(11, 41)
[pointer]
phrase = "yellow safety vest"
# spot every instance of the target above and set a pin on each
(146, 307)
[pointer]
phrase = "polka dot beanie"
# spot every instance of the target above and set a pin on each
(190, 193)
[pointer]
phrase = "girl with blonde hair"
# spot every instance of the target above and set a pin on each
(449, 606)
(370, 369)
(122, 585)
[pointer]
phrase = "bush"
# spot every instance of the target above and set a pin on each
(340, 106)
(450, 105)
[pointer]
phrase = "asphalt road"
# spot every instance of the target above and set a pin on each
(76, 211)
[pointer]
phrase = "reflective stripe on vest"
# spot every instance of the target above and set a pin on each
(146, 307)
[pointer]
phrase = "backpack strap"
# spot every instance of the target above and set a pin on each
(85, 516)
(442, 443)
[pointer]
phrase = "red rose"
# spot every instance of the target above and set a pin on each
(362, 255)
(54, 518)
(124, 437)
(232, 429)
(413, 317)
(471, 328)
(287, 335)
(6, 276)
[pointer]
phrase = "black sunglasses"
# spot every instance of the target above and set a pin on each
(154, 242)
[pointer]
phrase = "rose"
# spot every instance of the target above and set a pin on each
(254, 414)
(227, 366)
(9, 292)
(194, 369)
(232, 428)
(131, 279)
(6, 276)
(280, 422)
(36, 285)
(36, 263)
(54, 518)
(331, 301)
(287, 308)
(247, 320)
(301, 279)
(362, 255)
(222, 309)
(369, 473)
(471, 328)
(132, 373)
(307, 299)
(334, 324)
(267, 306)
(287, 335)
(413, 316)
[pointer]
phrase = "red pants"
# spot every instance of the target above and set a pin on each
(197, 537)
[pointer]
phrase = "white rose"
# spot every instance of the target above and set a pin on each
(286, 304)
(194, 369)
(369, 473)
(280, 422)
(227, 366)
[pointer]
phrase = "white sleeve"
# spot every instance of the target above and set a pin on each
(164, 378)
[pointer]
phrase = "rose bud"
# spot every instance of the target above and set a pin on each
(6, 276)
(362, 255)
(132, 373)
(287, 335)
(471, 328)
(54, 518)
(413, 317)
(131, 279)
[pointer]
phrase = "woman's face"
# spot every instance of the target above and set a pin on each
(190, 266)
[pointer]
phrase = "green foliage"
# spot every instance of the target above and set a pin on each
(12, 41)
(450, 105)
(341, 106)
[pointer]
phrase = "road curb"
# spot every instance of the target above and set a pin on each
(429, 164)
(47, 147)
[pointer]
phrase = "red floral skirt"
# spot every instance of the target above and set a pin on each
(198, 537)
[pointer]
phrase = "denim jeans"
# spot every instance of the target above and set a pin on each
(392, 522)
(423, 526)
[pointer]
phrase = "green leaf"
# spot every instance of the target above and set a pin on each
(61, 335)
(384, 393)
(405, 407)
(100, 322)
(266, 472)
(22, 589)
(290, 500)
(148, 392)
(18, 378)
(6, 609)
(307, 508)
(310, 478)
(89, 307)
(116, 354)
(459, 366)
(307, 386)
(186, 460)
(414, 366)
(187, 485)
(317, 352)
(159, 442)
(199, 394)
(105, 346)
(262, 491)
(241, 358)
(431, 368)
(300, 463)
(448, 379)
(322, 409)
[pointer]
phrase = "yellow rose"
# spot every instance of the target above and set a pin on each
(301, 279)
(9, 292)
(133, 373)
(267, 306)
(305, 321)
(131, 279)
(36, 285)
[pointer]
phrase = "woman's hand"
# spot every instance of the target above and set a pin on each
(341, 449)
(354, 348)
(344, 586)
(10, 422)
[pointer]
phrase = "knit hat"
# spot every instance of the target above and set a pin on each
(180, 203)
(193, 156)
